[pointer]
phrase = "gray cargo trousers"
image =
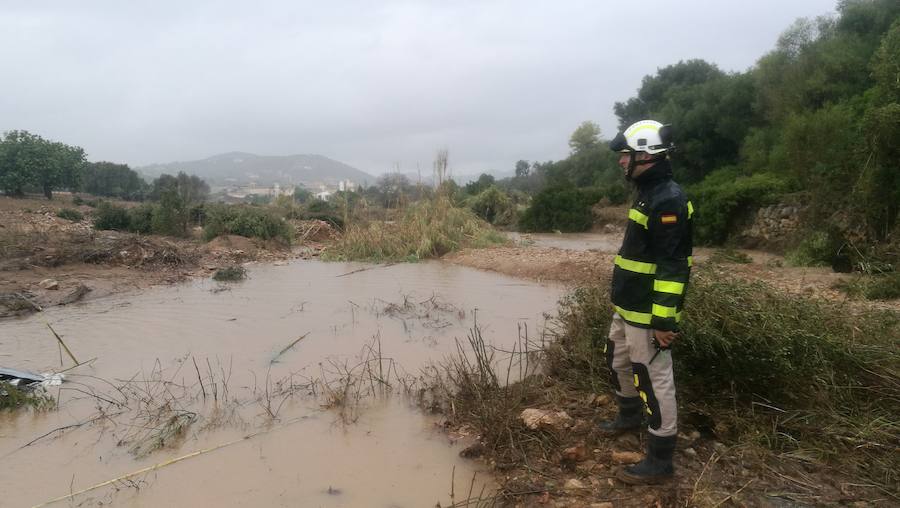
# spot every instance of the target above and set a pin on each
(628, 354)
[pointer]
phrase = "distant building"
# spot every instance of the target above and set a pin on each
(324, 195)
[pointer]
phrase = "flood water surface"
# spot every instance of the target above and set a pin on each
(210, 382)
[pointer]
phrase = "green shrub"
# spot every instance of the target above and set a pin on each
(819, 248)
(724, 197)
(617, 193)
(753, 364)
(242, 220)
(110, 216)
(140, 219)
(494, 206)
(230, 274)
(70, 214)
(77, 201)
(566, 209)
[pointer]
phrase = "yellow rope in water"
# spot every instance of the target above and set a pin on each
(164, 464)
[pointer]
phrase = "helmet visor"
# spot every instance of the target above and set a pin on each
(620, 144)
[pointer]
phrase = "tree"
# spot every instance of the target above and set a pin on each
(29, 160)
(522, 169)
(113, 180)
(302, 194)
(586, 136)
(484, 181)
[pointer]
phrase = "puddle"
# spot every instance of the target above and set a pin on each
(603, 242)
(197, 353)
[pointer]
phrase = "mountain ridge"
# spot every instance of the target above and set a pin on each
(245, 168)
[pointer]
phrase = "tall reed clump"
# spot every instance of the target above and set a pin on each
(791, 374)
(428, 229)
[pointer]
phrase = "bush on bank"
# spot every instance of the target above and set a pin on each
(566, 209)
(249, 221)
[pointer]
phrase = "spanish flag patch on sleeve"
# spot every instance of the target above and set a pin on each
(668, 218)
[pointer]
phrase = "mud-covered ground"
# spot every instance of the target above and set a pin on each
(46, 260)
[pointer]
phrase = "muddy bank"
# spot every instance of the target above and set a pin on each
(588, 258)
(46, 260)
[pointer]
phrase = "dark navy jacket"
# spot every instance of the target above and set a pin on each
(654, 264)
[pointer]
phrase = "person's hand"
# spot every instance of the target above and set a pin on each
(664, 338)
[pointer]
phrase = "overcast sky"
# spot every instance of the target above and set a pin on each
(369, 83)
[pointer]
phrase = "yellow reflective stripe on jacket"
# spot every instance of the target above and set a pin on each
(690, 261)
(633, 316)
(666, 312)
(690, 209)
(665, 286)
(635, 266)
(638, 217)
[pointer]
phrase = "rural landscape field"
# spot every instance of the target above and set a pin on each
(293, 330)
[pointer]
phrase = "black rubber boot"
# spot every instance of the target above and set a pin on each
(630, 416)
(656, 466)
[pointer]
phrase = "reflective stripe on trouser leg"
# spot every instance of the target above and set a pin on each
(655, 381)
(617, 359)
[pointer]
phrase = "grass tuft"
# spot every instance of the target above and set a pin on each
(230, 274)
(428, 229)
(70, 214)
(884, 286)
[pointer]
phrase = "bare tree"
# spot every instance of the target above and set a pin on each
(440, 167)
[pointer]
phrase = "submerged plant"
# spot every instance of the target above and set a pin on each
(230, 274)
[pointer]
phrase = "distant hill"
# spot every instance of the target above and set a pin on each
(239, 168)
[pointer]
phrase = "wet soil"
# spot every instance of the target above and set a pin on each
(70, 256)
(588, 257)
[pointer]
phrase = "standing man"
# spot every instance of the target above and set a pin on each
(649, 280)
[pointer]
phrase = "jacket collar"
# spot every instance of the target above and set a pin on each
(659, 172)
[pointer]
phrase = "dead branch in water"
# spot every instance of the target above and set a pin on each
(286, 348)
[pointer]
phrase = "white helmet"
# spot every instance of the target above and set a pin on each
(647, 136)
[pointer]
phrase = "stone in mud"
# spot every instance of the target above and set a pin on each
(626, 457)
(629, 441)
(541, 418)
(50, 284)
(602, 505)
(578, 453)
(574, 484)
(599, 400)
(472, 451)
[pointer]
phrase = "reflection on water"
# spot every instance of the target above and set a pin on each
(156, 348)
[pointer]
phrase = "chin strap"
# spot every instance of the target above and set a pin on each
(633, 164)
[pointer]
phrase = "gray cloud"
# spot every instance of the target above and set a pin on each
(368, 83)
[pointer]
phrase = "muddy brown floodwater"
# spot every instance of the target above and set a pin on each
(189, 368)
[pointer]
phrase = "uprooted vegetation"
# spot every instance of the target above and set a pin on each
(427, 229)
(784, 387)
(13, 397)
